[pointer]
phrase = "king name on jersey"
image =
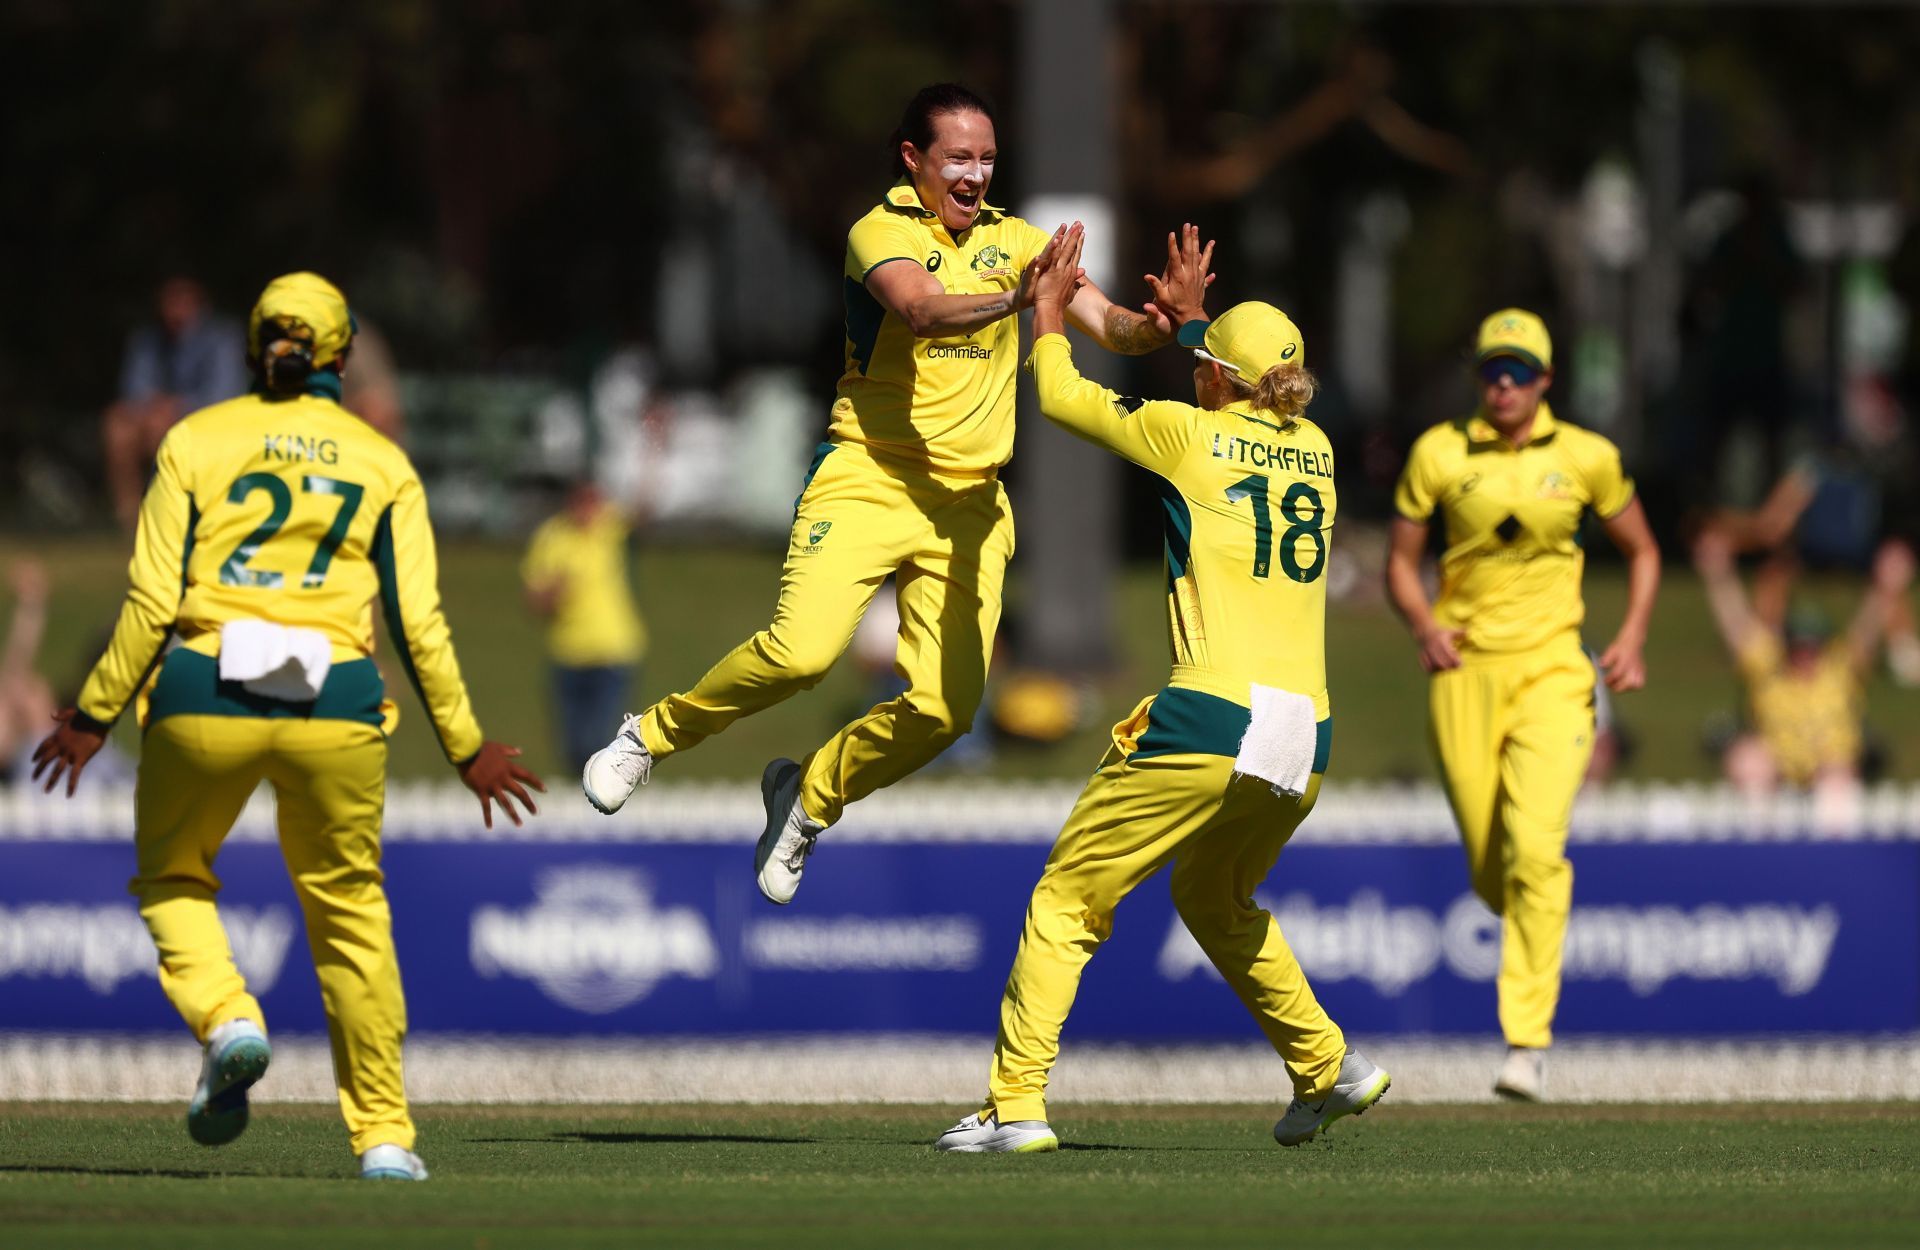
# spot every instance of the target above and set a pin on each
(1267, 456)
(298, 447)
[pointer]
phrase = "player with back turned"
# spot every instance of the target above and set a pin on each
(272, 525)
(1213, 774)
(1512, 695)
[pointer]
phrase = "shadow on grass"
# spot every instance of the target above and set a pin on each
(49, 1169)
(648, 1139)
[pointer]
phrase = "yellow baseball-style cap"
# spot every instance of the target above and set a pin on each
(1518, 333)
(1248, 338)
(311, 308)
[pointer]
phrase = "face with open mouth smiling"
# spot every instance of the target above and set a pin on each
(953, 172)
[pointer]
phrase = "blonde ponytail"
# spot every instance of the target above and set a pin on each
(1284, 390)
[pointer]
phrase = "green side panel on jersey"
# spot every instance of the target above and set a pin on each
(190, 685)
(864, 315)
(1178, 524)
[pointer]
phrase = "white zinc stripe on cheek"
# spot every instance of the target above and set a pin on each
(978, 171)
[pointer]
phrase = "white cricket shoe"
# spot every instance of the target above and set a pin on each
(1523, 1077)
(236, 1056)
(1360, 1084)
(781, 856)
(391, 1163)
(974, 1136)
(617, 769)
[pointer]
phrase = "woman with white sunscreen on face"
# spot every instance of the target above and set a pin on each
(906, 484)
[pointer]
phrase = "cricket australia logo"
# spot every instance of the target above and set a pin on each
(1556, 486)
(593, 940)
(816, 533)
(991, 261)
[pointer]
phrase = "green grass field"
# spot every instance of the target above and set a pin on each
(854, 1176)
(699, 602)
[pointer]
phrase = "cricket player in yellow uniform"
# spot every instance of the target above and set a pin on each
(907, 484)
(1247, 486)
(272, 525)
(1512, 691)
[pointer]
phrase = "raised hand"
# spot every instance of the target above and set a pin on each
(1179, 294)
(493, 775)
(1038, 265)
(1056, 274)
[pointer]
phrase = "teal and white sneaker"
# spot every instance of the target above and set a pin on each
(236, 1056)
(391, 1163)
(974, 1136)
(1359, 1085)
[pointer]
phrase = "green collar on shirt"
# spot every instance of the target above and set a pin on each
(321, 383)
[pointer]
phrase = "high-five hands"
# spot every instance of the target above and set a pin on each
(1056, 273)
(1179, 294)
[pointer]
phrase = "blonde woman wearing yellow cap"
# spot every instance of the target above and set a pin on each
(272, 525)
(1212, 774)
(1512, 692)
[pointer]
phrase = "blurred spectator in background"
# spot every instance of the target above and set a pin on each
(189, 358)
(1840, 508)
(1805, 688)
(27, 699)
(371, 389)
(1740, 301)
(576, 580)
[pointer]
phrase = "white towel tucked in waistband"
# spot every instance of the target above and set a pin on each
(1280, 741)
(278, 661)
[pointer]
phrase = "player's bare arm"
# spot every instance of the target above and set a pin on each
(1178, 296)
(1623, 662)
(1439, 647)
(929, 312)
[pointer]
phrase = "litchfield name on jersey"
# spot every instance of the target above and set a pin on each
(1266, 455)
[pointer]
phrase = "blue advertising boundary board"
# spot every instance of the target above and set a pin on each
(622, 938)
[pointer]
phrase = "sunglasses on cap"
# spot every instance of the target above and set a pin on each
(1516, 371)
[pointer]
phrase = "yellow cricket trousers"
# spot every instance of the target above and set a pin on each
(329, 777)
(858, 520)
(1513, 734)
(1141, 810)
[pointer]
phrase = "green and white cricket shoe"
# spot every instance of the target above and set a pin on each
(974, 1136)
(617, 769)
(391, 1163)
(1360, 1084)
(781, 856)
(1523, 1077)
(236, 1056)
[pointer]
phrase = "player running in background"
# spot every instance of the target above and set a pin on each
(906, 484)
(273, 523)
(1512, 692)
(1215, 772)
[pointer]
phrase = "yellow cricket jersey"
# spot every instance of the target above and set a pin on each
(292, 511)
(1249, 523)
(1510, 574)
(944, 404)
(594, 621)
(1808, 723)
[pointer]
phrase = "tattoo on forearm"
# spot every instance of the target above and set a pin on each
(996, 307)
(1129, 333)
